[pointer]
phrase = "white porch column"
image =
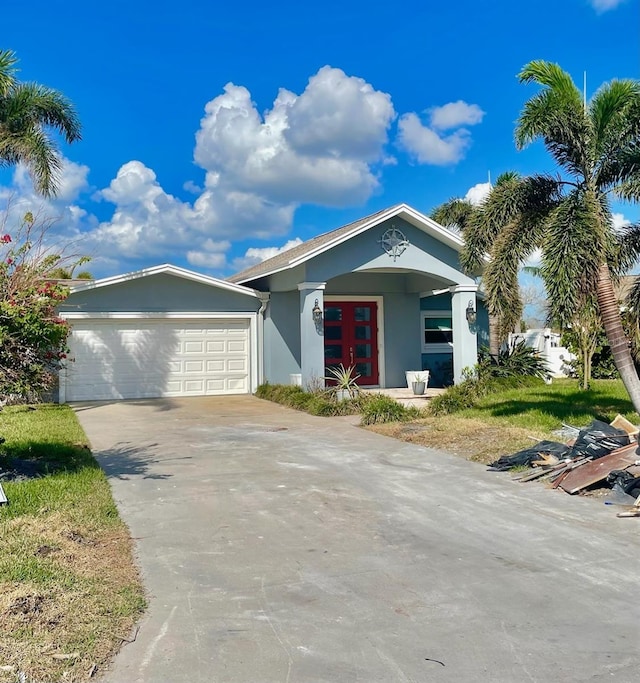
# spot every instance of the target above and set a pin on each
(311, 333)
(465, 338)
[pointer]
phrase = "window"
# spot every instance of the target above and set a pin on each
(437, 333)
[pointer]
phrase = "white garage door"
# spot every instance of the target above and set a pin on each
(154, 358)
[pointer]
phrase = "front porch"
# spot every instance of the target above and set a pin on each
(384, 295)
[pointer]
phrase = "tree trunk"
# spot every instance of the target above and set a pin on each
(494, 335)
(610, 313)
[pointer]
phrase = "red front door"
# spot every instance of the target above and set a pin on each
(351, 338)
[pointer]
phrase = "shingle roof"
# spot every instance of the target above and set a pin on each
(286, 258)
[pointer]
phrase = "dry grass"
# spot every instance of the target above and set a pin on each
(69, 588)
(474, 439)
(77, 604)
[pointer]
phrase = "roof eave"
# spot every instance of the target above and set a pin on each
(164, 269)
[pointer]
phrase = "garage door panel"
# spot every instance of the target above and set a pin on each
(216, 346)
(237, 346)
(146, 359)
(236, 365)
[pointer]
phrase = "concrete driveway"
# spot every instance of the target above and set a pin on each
(279, 547)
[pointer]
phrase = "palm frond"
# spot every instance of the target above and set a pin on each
(574, 247)
(627, 250)
(611, 103)
(39, 154)
(454, 213)
(497, 210)
(615, 112)
(514, 244)
(8, 70)
(557, 116)
(31, 105)
(629, 189)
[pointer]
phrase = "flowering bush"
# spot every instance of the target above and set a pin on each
(33, 338)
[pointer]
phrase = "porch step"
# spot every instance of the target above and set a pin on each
(406, 396)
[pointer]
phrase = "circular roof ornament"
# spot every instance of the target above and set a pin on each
(394, 242)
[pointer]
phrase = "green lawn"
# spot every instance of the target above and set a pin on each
(68, 584)
(546, 407)
(507, 421)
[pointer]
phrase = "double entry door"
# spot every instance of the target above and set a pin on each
(351, 338)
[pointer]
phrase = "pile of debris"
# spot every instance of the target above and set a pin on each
(599, 454)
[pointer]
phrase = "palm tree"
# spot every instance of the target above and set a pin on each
(28, 111)
(455, 213)
(463, 215)
(596, 146)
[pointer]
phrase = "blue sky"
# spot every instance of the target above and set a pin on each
(216, 133)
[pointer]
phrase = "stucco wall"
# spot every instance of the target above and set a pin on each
(161, 293)
(282, 337)
(364, 252)
(402, 338)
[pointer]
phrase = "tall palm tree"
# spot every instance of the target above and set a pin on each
(28, 112)
(596, 147)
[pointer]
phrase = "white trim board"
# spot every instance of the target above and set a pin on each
(164, 269)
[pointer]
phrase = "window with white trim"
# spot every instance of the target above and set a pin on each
(437, 332)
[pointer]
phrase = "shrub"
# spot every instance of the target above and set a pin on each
(320, 402)
(379, 409)
(375, 408)
(516, 360)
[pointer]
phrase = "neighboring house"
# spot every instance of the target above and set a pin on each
(385, 294)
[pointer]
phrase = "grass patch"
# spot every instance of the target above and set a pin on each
(545, 407)
(513, 418)
(68, 584)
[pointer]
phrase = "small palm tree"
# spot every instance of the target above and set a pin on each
(27, 111)
(596, 146)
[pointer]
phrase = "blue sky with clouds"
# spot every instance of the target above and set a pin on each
(216, 133)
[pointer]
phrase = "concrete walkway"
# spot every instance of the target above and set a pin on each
(279, 547)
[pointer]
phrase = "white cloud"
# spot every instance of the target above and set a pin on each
(325, 146)
(211, 255)
(455, 114)
(478, 193)
(317, 147)
(428, 143)
(212, 261)
(73, 180)
(59, 213)
(257, 255)
(427, 146)
(619, 221)
(605, 5)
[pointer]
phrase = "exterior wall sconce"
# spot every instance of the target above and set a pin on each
(471, 313)
(316, 313)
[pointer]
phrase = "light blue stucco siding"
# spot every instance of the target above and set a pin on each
(282, 337)
(162, 293)
(402, 338)
(424, 254)
(359, 267)
(440, 364)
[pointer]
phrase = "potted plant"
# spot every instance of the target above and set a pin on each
(419, 383)
(346, 386)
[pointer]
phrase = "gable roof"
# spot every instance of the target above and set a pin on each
(317, 245)
(164, 269)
